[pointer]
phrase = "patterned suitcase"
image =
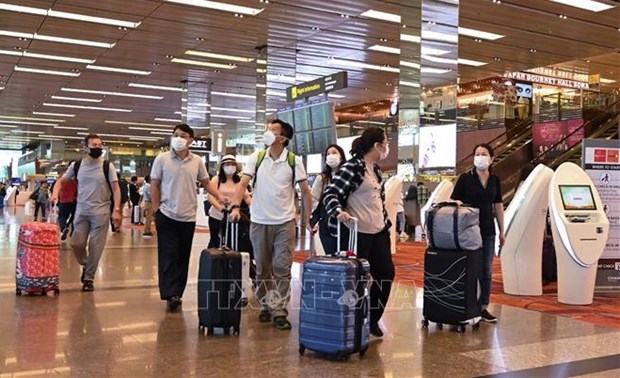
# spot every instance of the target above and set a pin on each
(38, 258)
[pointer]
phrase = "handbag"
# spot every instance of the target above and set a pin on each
(453, 227)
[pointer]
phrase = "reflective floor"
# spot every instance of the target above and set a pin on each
(123, 330)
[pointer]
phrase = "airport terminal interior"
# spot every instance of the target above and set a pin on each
(538, 80)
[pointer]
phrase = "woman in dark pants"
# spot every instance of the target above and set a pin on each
(482, 189)
(357, 191)
(334, 159)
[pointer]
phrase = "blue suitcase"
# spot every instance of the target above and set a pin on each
(333, 316)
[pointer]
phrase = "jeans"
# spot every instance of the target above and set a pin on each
(488, 252)
(329, 242)
(174, 245)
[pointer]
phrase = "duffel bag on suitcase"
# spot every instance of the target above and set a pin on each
(450, 226)
(333, 316)
(452, 287)
(38, 258)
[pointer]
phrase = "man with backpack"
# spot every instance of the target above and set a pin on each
(275, 171)
(97, 183)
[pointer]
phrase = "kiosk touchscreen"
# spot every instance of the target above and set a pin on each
(580, 229)
(525, 221)
(442, 193)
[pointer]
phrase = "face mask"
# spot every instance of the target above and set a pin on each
(384, 155)
(178, 143)
(268, 138)
(482, 162)
(95, 153)
(333, 160)
(229, 170)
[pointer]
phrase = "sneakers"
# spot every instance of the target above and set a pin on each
(375, 330)
(264, 316)
(83, 275)
(147, 235)
(88, 286)
(65, 233)
(280, 322)
(173, 304)
(488, 317)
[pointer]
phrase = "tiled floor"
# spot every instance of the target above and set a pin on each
(122, 330)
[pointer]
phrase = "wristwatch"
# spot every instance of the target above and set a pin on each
(233, 207)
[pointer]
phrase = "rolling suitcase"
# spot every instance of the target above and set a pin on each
(221, 295)
(136, 216)
(38, 258)
(452, 288)
(334, 309)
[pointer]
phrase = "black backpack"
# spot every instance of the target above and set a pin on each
(106, 172)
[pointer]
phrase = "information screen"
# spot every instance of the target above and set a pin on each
(287, 117)
(321, 139)
(577, 197)
(321, 116)
(524, 90)
(302, 119)
(303, 144)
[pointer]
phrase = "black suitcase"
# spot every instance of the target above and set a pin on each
(219, 290)
(452, 288)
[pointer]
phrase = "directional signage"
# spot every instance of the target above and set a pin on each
(201, 145)
(318, 86)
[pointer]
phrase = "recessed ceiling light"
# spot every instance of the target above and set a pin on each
(437, 36)
(385, 49)
(106, 93)
(70, 128)
(384, 16)
(497, 58)
(533, 50)
(432, 70)
(590, 5)
(561, 16)
(159, 87)
(168, 120)
(216, 5)
(41, 37)
(334, 95)
(219, 56)
(204, 64)
(410, 38)
(54, 114)
(479, 34)
(469, 62)
(357, 64)
(115, 69)
(76, 99)
(46, 72)
(67, 15)
(45, 56)
(86, 107)
(229, 94)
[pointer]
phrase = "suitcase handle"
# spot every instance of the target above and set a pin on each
(233, 228)
(352, 237)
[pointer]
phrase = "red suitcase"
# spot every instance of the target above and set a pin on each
(38, 258)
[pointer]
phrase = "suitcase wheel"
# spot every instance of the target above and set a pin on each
(210, 331)
(226, 331)
(56, 292)
(363, 352)
(476, 326)
(244, 302)
(424, 324)
(439, 326)
(460, 328)
(236, 330)
(18, 292)
(302, 349)
(340, 356)
(43, 293)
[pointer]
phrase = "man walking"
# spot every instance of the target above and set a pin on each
(173, 195)
(97, 183)
(272, 231)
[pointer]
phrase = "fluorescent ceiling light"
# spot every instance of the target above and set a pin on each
(160, 87)
(163, 133)
(246, 120)
(479, 34)
(105, 93)
(219, 56)
(46, 72)
(333, 95)
(70, 128)
(204, 64)
(385, 49)
(410, 38)
(32, 119)
(354, 63)
(55, 115)
(227, 116)
(384, 16)
(409, 84)
(217, 124)
(41, 37)
(120, 70)
(607, 81)
(216, 5)
(25, 132)
(136, 123)
(228, 94)
(1, 88)
(270, 92)
(433, 70)
(280, 79)
(590, 5)
(431, 51)
(469, 62)
(67, 15)
(76, 99)
(437, 36)
(194, 111)
(272, 110)
(148, 129)
(45, 56)
(124, 136)
(168, 120)
(87, 107)
(29, 123)
(233, 110)
(261, 86)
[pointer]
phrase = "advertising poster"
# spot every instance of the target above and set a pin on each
(601, 160)
(548, 134)
(438, 146)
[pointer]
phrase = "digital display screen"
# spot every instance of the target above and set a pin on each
(438, 146)
(16, 181)
(524, 90)
(577, 197)
(321, 116)
(287, 117)
(302, 119)
(321, 139)
(303, 144)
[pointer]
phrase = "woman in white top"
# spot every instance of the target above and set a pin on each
(227, 181)
(334, 158)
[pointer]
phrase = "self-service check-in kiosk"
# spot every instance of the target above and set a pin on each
(580, 229)
(525, 220)
(442, 192)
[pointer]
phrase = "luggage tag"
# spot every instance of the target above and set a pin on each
(351, 252)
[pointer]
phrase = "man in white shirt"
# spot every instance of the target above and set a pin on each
(173, 197)
(272, 232)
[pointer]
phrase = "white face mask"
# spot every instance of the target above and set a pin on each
(333, 160)
(178, 143)
(268, 138)
(384, 155)
(482, 162)
(229, 170)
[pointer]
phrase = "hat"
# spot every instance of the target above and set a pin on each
(228, 159)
